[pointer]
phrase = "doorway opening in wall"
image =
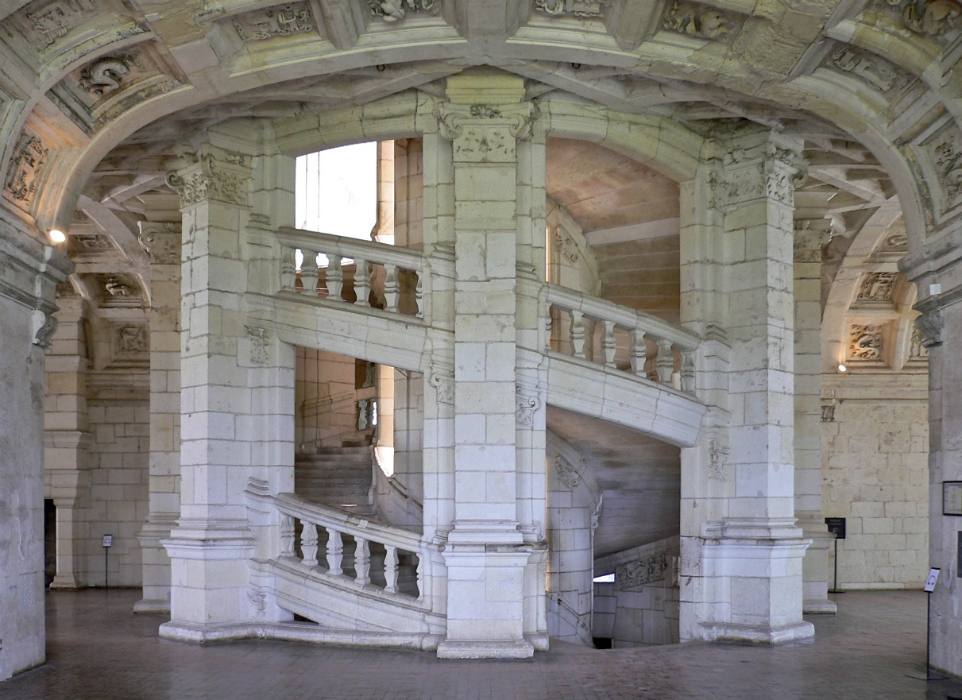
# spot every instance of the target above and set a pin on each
(49, 541)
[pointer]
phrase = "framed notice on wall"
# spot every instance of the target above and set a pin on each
(952, 498)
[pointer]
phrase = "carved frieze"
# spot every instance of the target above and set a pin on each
(54, 20)
(865, 342)
(877, 288)
(24, 170)
(641, 572)
(582, 9)
(282, 20)
(874, 70)
(697, 20)
(396, 10)
(932, 18)
(131, 340)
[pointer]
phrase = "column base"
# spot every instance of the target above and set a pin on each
(65, 582)
(819, 606)
(147, 607)
(522, 649)
(731, 632)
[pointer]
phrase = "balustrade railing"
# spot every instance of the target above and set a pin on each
(371, 555)
(353, 271)
(617, 337)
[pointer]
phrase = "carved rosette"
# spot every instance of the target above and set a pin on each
(215, 175)
(485, 133)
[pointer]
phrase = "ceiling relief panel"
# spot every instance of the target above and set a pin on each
(24, 171)
(938, 153)
(280, 21)
(393, 11)
(869, 68)
(699, 21)
(936, 19)
(103, 89)
(866, 343)
(582, 9)
(877, 289)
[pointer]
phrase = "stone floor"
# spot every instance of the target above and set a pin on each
(97, 649)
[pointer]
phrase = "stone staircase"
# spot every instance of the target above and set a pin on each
(339, 477)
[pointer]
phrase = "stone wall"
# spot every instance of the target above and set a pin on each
(118, 478)
(325, 397)
(875, 474)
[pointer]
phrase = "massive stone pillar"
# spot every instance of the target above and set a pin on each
(810, 237)
(237, 388)
(741, 569)
(163, 242)
(67, 437)
(486, 553)
(940, 325)
(29, 273)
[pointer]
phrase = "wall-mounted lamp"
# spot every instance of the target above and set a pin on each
(842, 369)
(57, 236)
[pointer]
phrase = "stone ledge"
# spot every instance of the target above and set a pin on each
(521, 649)
(296, 632)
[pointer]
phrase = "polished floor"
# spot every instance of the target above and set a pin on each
(98, 650)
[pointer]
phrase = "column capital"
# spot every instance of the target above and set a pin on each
(758, 163)
(212, 173)
(161, 241)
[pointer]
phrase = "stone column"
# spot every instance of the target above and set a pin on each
(163, 242)
(485, 555)
(28, 277)
(811, 235)
(941, 328)
(66, 436)
(741, 569)
(237, 389)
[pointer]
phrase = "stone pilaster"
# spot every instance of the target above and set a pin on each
(237, 391)
(66, 437)
(741, 569)
(163, 243)
(28, 278)
(486, 553)
(810, 237)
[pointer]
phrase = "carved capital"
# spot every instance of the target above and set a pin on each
(485, 133)
(44, 326)
(930, 323)
(160, 241)
(213, 174)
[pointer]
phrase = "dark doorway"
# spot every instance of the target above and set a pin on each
(49, 541)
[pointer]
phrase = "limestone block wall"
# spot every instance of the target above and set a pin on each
(643, 275)
(408, 193)
(118, 493)
(408, 433)
(569, 259)
(324, 395)
(875, 474)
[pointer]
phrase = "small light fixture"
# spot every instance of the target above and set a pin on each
(57, 236)
(842, 369)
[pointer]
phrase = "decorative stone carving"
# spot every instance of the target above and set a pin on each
(260, 345)
(877, 288)
(930, 323)
(161, 242)
(443, 383)
(54, 20)
(644, 571)
(90, 242)
(917, 349)
(131, 340)
(485, 133)
(44, 326)
(828, 412)
(24, 168)
(945, 151)
(396, 10)
(284, 20)
(223, 179)
(865, 342)
(583, 9)
(876, 71)
(567, 472)
(696, 20)
(527, 406)
(566, 246)
(717, 456)
(105, 75)
(160, 85)
(116, 288)
(929, 17)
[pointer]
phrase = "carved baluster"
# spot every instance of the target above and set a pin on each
(390, 287)
(309, 273)
(335, 278)
(390, 569)
(362, 562)
(422, 566)
(335, 552)
(419, 295)
(577, 332)
(288, 272)
(688, 371)
(608, 343)
(362, 282)
(665, 361)
(639, 352)
(309, 543)
(287, 536)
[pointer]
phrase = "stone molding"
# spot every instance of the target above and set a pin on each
(214, 174)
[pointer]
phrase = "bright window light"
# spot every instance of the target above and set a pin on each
(607, 578)
(336, 191)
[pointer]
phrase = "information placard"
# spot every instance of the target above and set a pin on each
(837, 527)
(932, 579)
(108, 541)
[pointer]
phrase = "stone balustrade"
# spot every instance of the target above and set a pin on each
(358, 272)
(310, 532)
(618, 337)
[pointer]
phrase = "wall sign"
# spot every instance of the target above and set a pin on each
(837, 527)
(108, 541)
(933, 578)
(952, 498)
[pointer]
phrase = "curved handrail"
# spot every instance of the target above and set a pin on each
(350, 247)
